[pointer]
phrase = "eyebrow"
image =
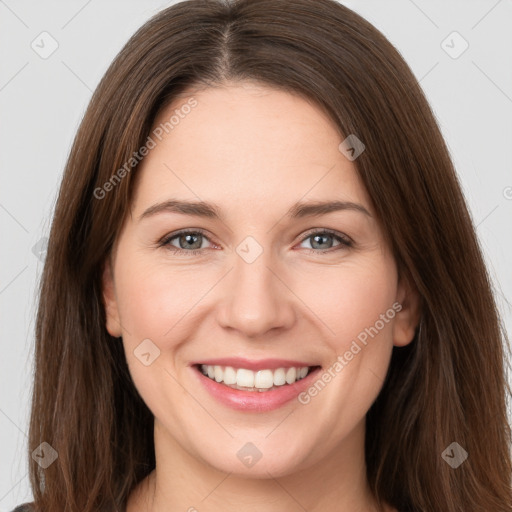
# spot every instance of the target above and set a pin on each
(213, 211)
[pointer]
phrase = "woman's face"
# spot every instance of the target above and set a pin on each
(266, 290)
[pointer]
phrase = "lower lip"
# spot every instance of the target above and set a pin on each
(258, 401)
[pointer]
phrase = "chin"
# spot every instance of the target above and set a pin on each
(259, 459)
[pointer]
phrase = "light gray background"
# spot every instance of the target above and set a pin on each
(43, 100)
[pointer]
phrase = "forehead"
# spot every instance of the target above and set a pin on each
(244, 145)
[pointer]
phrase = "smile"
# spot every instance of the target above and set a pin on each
(249, 380)
(254, 386)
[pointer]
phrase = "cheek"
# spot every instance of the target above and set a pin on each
(362, 316)
(358, 307)
(156, 303)
(154, 299)
(153, 306)
(353, 300)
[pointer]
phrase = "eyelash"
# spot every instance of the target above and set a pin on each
(345, 242)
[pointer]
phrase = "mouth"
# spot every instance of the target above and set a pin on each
(262, 380)
(254, 386)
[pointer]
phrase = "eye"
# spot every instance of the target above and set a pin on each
(186, 240)
(319, 239)
(191, 242)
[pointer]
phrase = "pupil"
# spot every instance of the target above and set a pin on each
(316, 237)
(189, 239)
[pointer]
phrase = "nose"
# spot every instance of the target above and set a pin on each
(257, 298)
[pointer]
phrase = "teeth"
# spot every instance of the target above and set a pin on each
(244, 378)
(291, 375)
(229, 375)
(279, 377)
(261, 380)
(264, 379)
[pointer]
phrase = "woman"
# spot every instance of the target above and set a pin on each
(247, 370)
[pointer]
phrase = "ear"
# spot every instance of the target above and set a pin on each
(113, 323)
(408, 317)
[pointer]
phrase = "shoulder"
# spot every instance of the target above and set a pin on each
(27, 507)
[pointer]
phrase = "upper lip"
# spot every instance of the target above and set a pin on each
(261, 364)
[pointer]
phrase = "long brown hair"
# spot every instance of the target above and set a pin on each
(448, 385)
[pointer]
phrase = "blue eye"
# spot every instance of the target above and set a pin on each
(319, 237)
(191, 242)
(186, 240)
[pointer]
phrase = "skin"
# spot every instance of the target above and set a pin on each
(255, 151)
